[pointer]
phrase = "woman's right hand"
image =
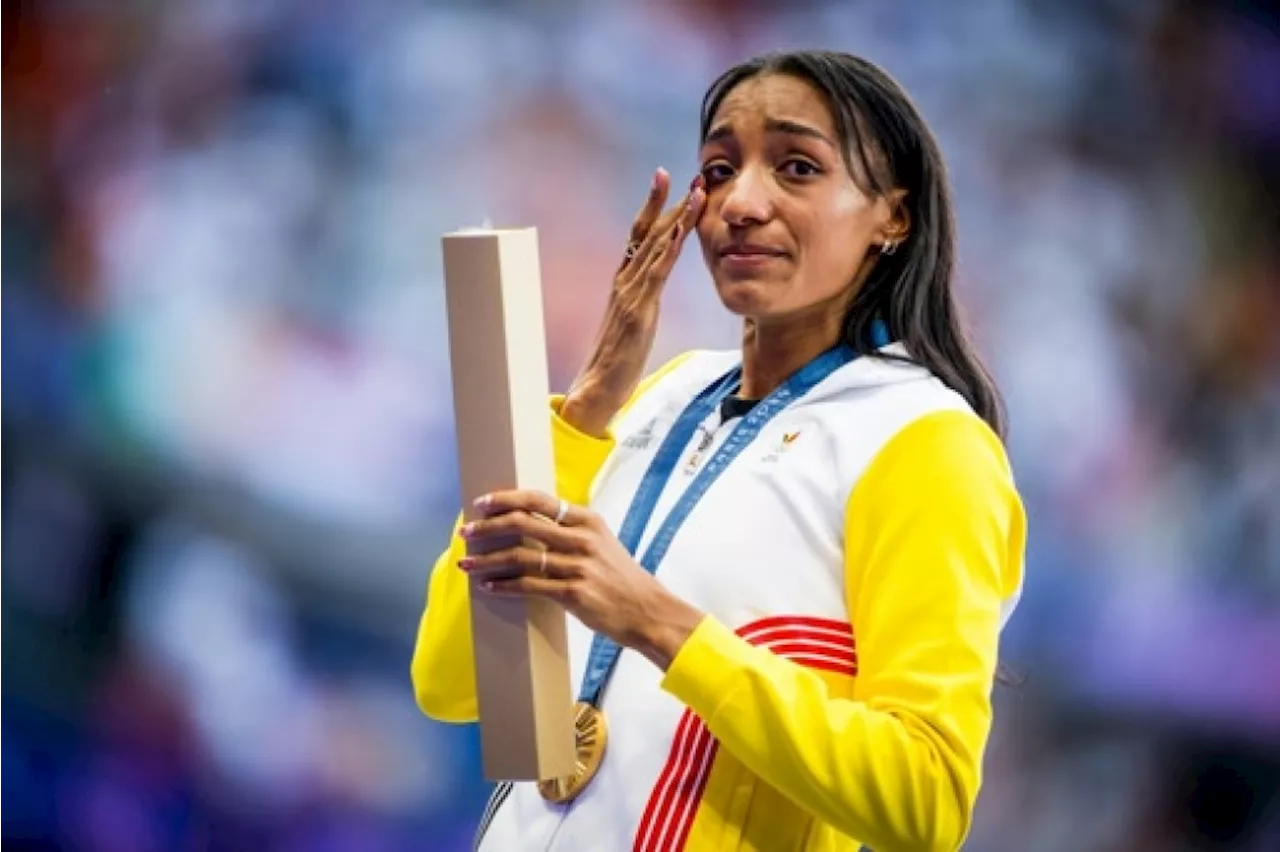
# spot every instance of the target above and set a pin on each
(625, 339)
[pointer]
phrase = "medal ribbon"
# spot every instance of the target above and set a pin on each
(604, 651)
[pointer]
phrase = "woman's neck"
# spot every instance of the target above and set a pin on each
(774, 349)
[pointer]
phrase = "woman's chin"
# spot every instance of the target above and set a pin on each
(744, 297)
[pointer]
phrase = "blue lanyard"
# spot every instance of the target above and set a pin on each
(604, 651)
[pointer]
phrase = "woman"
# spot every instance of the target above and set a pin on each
(806, 550)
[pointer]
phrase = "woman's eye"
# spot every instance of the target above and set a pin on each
(800, 168)
(717, 172)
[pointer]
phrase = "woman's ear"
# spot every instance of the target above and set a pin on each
(898, 224)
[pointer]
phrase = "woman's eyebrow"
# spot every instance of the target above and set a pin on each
(773, 125)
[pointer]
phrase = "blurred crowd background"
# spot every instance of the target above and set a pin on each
(227, 441)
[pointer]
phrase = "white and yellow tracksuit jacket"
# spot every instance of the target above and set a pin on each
(857, 563)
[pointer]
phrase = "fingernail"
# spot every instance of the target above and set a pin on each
(696, 183)
(487, 585)
(467, 530)
(657, 179)
(466, 563)
(483, 502)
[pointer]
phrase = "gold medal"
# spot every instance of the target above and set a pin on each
(590, 734)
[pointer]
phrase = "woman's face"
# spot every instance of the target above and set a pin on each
(785, 229)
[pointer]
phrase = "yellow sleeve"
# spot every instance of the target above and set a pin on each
(443, 666)
(934, 541)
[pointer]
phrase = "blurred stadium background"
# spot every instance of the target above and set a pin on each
(228, 463)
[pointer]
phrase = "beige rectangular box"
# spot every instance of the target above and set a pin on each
(497, 345)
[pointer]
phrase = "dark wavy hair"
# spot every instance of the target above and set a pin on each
(887, 146)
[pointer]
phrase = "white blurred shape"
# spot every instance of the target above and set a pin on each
(202, 612)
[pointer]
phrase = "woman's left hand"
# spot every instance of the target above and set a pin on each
(583, 567)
